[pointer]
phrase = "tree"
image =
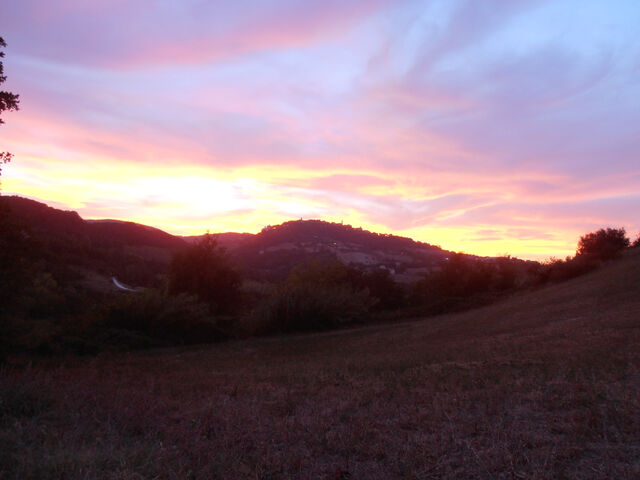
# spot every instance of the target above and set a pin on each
(317, 295)
(318, 272)
(603, 244)
(382, 287)
(204, 269)
(8, 101)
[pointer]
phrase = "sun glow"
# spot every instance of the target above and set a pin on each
(190, 200)
(490, 140)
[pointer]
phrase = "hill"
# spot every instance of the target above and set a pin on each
(545, 384)
(113, 247)
(69, 245)
(272, 253)
(54, 222)
(228, 240)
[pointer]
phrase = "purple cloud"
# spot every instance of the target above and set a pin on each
(456, 115)
(126, 34)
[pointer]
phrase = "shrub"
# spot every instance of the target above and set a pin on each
(175, 319)
(327, 273)
(17, 252)
(603, 244)
(593, 248)
(463, 281)
(388, 294)
(309, 307)
(382, 289)
(557, 270)
(315, 296)
(460, 276)
(507, 272)
(204, 270)
(636, 242)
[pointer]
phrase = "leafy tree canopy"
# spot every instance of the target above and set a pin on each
(603, 244)
(8, 101)
(203, 269)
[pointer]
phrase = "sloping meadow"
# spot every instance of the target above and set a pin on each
(545, 384)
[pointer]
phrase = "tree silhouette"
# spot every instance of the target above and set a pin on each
(603, 244)
(204, 269)
(8, 101)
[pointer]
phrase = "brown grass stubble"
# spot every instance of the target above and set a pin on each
(542, 385)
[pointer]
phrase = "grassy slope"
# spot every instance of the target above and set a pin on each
(542, 385)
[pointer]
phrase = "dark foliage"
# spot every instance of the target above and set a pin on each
(593, 248)
(274, 252)
(49, 260)
(318, 230)
(308, 307)
(378, 284)
(136, 254)
(603, 244)
(463, 281)
(21, 279)
(558, 270)
(172, 319)
(17, 249)
(316, 296)
(636, 242)
(542, 386)
(275, 266)
(388, 294)
(56, 297)
(204, 269)
(8, 101)
(329, 273)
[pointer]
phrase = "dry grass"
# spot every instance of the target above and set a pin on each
(542, 385)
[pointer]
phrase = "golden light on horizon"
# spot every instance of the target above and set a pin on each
(512, 140)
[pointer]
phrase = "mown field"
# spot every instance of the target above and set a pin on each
(545, 384)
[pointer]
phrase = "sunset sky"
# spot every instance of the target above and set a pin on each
(486, 126)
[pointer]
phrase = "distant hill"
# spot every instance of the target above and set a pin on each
(228, 240)
(139, 253)
(69, 245)
(52, 221)
(272, 253)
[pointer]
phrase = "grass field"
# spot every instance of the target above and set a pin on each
(545, 384)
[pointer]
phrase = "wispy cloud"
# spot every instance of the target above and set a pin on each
(134, 35)
(486, 126)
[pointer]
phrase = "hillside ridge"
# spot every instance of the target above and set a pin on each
(267, 255)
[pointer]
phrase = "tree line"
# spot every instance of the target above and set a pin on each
(203, 297)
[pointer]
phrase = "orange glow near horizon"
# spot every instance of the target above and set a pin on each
(509, 134)
(193, 200)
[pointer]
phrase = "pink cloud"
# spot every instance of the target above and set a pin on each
(136, 34)
(334, 109)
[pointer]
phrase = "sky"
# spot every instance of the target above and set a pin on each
(486, 126)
